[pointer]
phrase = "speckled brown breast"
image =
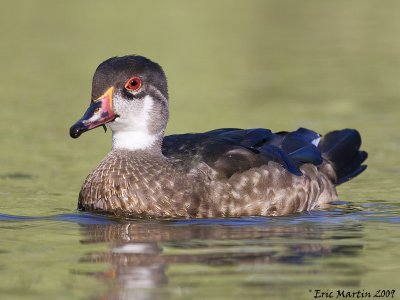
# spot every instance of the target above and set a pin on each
(135, 184)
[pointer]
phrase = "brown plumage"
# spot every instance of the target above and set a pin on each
(221, 173)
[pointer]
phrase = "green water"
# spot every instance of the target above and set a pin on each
(275, 64)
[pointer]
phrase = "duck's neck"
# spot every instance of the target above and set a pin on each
(136, 140)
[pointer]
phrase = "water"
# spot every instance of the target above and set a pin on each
(241, 258)
(270, 64)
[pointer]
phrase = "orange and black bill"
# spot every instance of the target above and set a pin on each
(98, 114)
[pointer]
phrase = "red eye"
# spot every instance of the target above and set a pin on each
(133, 84)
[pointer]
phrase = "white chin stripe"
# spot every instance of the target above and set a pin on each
(131, 132)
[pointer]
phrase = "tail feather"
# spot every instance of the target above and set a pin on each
(342, 148)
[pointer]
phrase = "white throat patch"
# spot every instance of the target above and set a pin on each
(131, 131)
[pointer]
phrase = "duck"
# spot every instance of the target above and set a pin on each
(226, 172)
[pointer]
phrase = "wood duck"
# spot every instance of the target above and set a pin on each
(227, 172)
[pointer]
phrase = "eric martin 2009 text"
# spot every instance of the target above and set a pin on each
(359, 294)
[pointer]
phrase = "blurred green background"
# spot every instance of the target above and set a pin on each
(269, 63)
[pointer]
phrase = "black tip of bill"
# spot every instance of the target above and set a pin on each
(77, 129)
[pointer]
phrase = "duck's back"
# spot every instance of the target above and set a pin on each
(231, 150)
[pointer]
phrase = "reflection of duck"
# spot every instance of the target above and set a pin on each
(150, 254)
(224, 172)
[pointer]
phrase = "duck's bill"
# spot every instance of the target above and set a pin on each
(98, 114)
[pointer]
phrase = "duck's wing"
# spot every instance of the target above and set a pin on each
(231, 150)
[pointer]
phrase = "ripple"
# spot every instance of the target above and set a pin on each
(17, 175)
(80, 218)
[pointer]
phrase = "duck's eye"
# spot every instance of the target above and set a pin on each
(133, 84)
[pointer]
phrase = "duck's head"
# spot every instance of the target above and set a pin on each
(130, 95)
